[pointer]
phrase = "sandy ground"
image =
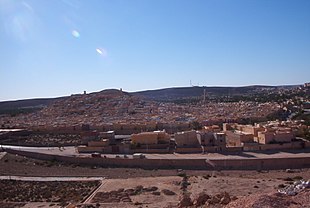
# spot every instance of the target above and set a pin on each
(236, 183)
(146, 199)
(22, 166)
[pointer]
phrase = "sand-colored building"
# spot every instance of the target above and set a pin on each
(156, 137)
(249, 129)
(266, 133)
(212, 139)
(227, 127)
(163, 137)
(220, 139)
(238, 138)
(144, 138)
(213, 128)
(186, 138)
(102, 143)
(268, 137)
(252, 129)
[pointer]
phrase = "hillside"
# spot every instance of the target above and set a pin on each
(113, 106)
(93, 104)
(166, 94)
(211, 92)
(24, 106)
(29, 103)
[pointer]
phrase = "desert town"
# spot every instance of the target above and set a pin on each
(154, 104)
(233, 137)
(115, 110)
(157, 169)
(111, 149)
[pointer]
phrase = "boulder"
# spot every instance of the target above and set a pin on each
(214, 200)
(157, 193)
(130, 192)
(167, 192)
(150, 189)
(201, 199)
(233, 198)
(225, 199)
(185, 201)
(139, 188)
(120, 190)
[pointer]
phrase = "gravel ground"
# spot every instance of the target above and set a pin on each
(273, 200)
(40, 139)
(45, 191)
(252, 188)
(17, 165)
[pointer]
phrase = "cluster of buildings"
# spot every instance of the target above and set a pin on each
(264, 136)
(233, 137)
(127, 114)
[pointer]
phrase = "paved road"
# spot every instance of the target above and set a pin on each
(70, 151)
(2, 154)
(26, 178)
(25, 147)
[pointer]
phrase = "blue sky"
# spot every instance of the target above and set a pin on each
(61, 47)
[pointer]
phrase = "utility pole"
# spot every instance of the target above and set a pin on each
(204, 96)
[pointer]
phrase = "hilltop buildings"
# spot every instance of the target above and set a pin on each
(125, 114)
(264, 136)
(234, 137)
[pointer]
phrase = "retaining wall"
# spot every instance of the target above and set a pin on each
(213, 164)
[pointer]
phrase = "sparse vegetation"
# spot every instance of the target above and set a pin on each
(42, 139)
(41, 191)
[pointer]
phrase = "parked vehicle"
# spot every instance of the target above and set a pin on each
(96, 154)
(138, 156)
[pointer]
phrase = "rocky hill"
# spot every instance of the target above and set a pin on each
(185, 92)
(167, 94)
(114, 106)
(104, 103)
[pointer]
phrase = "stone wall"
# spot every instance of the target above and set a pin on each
(282, 146)
(217, 164)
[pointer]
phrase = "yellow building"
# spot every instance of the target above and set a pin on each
(144, 138)
(267, 137)
(156, 137)
(163, 137)
(252, 129)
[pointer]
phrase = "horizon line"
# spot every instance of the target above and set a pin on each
(143, 90)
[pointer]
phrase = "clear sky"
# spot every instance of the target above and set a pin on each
(53, 48)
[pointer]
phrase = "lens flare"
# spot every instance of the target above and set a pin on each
(75, 33)
(102, 52)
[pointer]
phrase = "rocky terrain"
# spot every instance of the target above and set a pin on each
(112, 106)
(273, 200)
(125, 187)
(63, 192)
(42, 139)
(171, 105)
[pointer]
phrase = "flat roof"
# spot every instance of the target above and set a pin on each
(9, 130)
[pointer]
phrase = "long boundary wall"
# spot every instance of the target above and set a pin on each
(202, 164)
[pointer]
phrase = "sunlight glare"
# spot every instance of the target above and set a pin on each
(102, 52)
(75, 33)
